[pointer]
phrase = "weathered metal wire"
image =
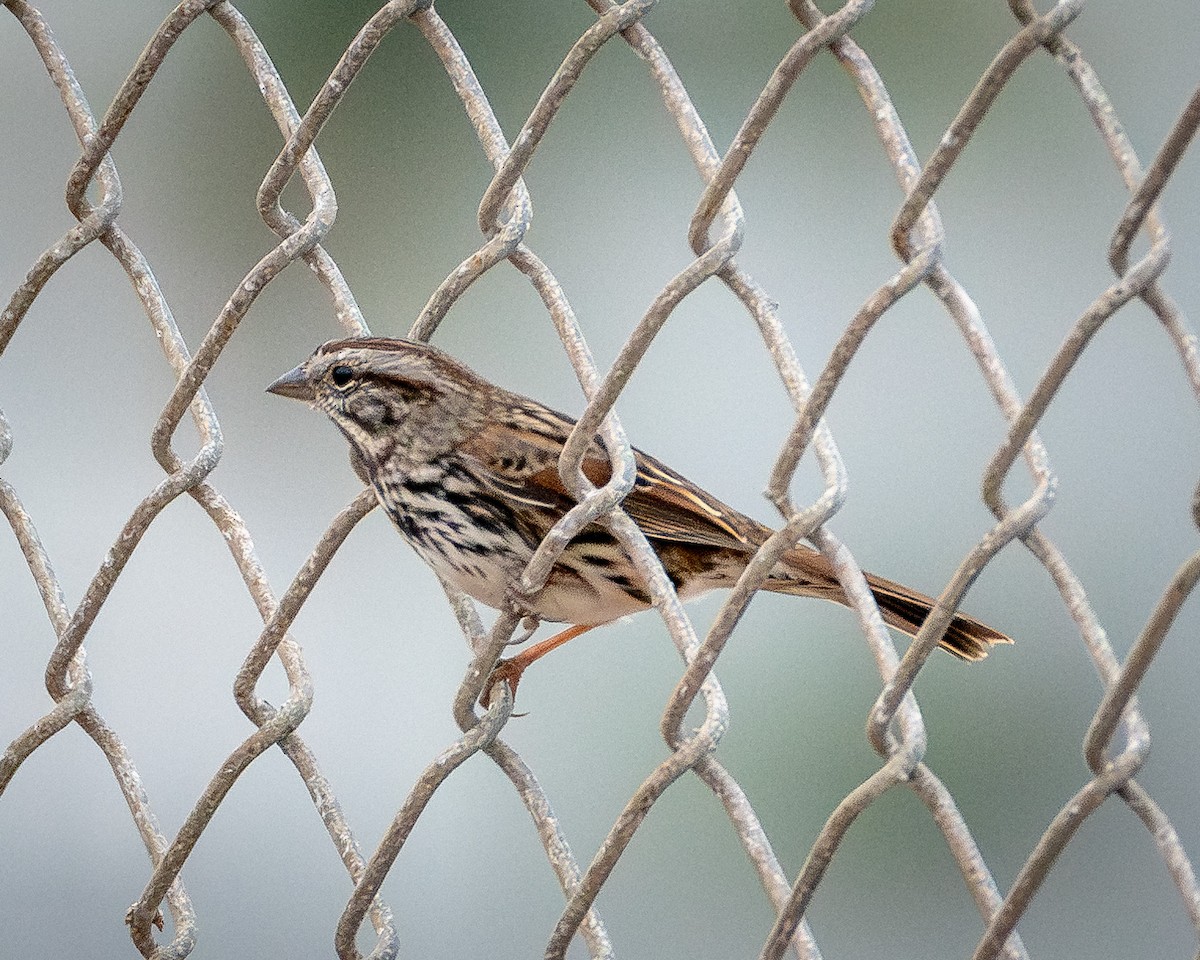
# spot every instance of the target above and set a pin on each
(1117, 741)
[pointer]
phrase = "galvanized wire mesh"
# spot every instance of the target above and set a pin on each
(1117, 741)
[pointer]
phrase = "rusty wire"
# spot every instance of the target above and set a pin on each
(1116, 744)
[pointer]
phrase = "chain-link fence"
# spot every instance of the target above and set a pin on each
(697, 713)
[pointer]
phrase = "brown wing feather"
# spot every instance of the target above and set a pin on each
(668, 507)
(523, 460)
(519, 455)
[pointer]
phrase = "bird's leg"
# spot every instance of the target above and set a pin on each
(509, 671)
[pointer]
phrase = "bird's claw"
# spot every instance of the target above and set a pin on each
(506, 671)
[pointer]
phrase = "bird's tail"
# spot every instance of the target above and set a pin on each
(901, 607)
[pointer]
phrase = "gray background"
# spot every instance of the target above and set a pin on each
(1028, 214)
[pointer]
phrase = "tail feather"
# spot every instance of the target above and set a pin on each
(906, 610)
(900, 606)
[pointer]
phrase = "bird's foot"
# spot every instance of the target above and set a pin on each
(509, 671)
(506, 671)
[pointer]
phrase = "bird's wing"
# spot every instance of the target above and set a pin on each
(668, 507)
(520, 459)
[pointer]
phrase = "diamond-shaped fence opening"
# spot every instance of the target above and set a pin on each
(738, 210)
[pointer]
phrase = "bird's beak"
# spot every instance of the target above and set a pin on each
(294, 384)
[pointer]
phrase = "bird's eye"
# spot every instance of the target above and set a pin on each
(341, 376)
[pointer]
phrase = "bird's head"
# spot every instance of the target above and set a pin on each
(380, 391)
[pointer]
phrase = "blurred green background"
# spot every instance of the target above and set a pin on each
(1028, 213)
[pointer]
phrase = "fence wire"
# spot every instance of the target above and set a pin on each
(1118, 738)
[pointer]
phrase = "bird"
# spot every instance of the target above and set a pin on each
(467, 471)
